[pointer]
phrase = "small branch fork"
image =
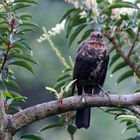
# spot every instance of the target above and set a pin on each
(122, 54)
(40, 111)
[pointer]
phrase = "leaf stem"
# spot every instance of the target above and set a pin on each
(72, 137)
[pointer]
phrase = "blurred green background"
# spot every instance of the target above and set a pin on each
(103, 126)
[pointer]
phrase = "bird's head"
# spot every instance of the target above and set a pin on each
(96, 37)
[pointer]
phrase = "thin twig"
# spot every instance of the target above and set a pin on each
(134, 43)
(4, 59)
(72, 137)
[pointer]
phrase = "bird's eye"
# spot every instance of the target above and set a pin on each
(92, 36)
(99, 36)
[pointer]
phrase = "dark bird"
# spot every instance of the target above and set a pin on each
(90, 71)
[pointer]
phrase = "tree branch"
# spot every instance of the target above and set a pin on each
(51, 108)
(126, 59)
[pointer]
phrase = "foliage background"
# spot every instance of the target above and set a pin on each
(103, 126)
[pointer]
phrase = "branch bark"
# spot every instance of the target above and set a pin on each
(5, 133)
(51, 108)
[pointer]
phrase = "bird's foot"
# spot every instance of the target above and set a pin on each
(92, 92)
(83, 98)
(105, 92)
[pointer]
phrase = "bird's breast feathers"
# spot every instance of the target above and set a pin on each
(95, 51)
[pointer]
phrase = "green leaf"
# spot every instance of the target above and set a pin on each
(69, 85)
(31, 136)
(7, 94)
(67, 13)
(19, 99)
(127, 117)
(137, 1)
(25, 16)
(61, 83)
(118, 22)
(12, 84)
(71, 129)
(20, 6)
(4, 28)
(114, 59)
(119, 66)
(129, 127)
(3, 15)
(28, 1)
(66, 70)
(25, 57)
(123, 4)
(137, 90)
(28, 24)
(22, 31)
(64, 75)
(23, 64)
(131, 138)
(131, 33)
(114, 109)
(2, 85)
(72, 21)
(62, 119)
(51, 89)
(3, 22)
(75, 33)
(22, 45)
(125, 75)
(14, 108)
(14, 94)
(71, 62)
(111, 49)
(51, 126)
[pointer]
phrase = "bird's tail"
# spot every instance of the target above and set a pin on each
(83, 118)
(83, 115)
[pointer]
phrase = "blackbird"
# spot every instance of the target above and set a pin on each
(90, 71)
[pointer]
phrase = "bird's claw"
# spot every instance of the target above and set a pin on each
(83, 98)
(104, 92)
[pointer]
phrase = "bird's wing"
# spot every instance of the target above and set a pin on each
(76, 69)
(104, 70)
(78, 62)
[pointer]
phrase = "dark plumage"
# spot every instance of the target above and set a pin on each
(90, 71)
